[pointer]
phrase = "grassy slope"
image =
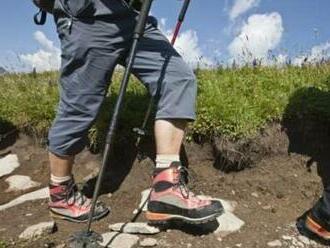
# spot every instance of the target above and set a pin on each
(239, 102)
(232, 102)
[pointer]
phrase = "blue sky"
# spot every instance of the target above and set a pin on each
(296, 26)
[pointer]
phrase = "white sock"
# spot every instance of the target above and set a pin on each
(59, 180)
(165, 160)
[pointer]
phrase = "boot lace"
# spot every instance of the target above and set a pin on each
(183, 176)
(75, 196)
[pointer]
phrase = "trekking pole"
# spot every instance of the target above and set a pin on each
(88, 238)
(142, 130)
(181, 17)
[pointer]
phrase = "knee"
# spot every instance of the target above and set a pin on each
(68, 134)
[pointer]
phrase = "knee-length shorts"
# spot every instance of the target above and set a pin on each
(95, 37)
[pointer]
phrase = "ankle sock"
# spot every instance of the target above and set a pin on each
(164, 161)
(59, 180)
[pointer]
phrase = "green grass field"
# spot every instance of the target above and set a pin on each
(234, 102)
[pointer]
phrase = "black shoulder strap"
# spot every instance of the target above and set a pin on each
(40, 18)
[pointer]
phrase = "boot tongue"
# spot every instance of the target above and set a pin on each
(60, 191)
(173, 165)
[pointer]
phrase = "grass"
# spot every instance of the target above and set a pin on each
(2, 244)
(233, 102)
(28, 102)
(239, 102)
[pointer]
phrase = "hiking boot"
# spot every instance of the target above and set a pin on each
(171, 199)
(68, 203)
(315, 224)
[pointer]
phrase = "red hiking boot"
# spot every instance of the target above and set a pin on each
(68, 203)
(315, 224)
(171, 199)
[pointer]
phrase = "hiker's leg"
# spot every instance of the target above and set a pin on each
(61, 166)
(90, 50)
(173, 83)
(83, 87)
(88, 60)
(169, 135)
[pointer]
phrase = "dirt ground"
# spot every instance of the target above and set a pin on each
(270, 195)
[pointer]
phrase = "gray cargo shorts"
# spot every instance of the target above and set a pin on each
(94, 39)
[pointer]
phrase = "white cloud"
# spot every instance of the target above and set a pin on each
(242, 6)
(281, 59)
(187, 45)
(316, 55)
(47, 58)
(259, 35)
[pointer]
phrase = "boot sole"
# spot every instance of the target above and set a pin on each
(76, 220)
(303, 230)
(158, 218)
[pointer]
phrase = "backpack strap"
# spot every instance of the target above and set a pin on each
(40, 17)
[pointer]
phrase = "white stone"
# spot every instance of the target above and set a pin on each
(285, 237)
(304, 240)
(8, 164)
(255, 194)
(300, 244)
(37, 230)
(135, 211)
(35, 195)
(313, 242)
(17, 183)
(148, 242)
(134, 228)
(228, 223)
(275, 243)
(119, 240)
(92, 175)
(228, 206)
(143, 205)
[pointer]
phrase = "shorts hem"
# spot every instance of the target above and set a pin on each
(188, 118)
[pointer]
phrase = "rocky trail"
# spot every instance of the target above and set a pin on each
(261, 202)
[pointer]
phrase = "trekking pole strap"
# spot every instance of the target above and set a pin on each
(40, 18)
